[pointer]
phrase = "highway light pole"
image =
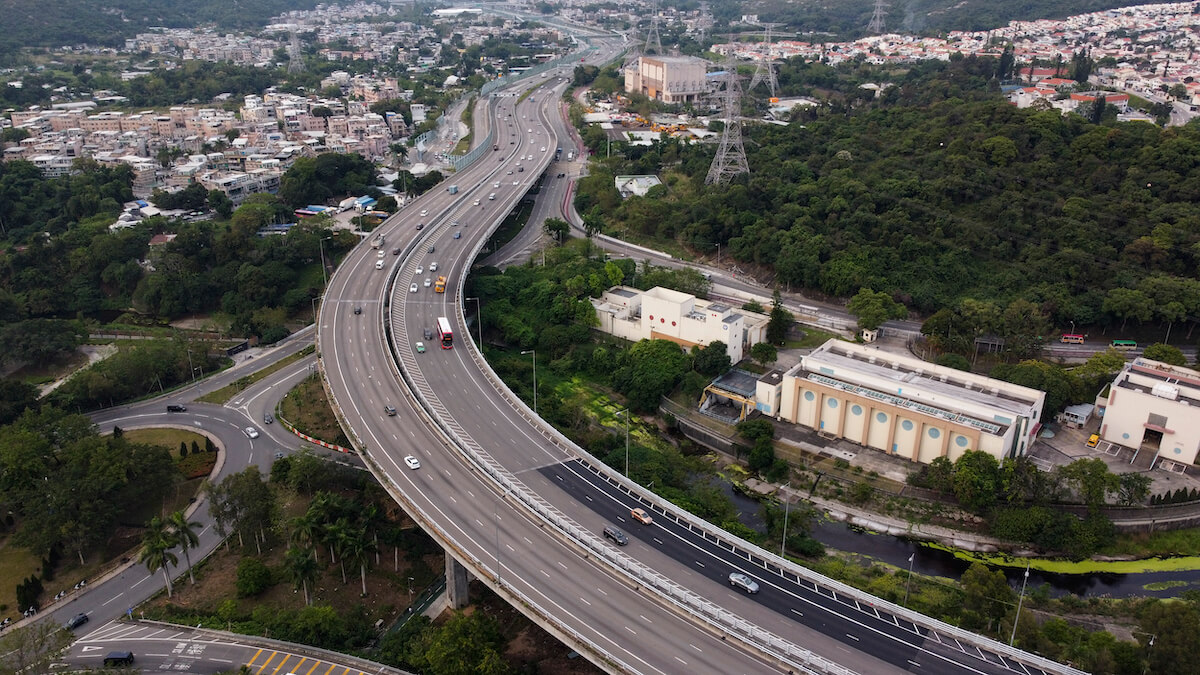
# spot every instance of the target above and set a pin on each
(191, 367)
(1017, 618)
(478, 321)
(324, 274)
(534, 352)
(908, 584)
(787, 507)
(626, 411)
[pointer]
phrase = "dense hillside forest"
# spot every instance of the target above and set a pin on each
(850, 19)
(940, 191)
(71, 22)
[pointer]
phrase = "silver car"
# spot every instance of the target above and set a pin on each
(743, 582)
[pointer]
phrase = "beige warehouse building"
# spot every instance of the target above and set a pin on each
(905, 406)
(1156, 406)
(670, 79)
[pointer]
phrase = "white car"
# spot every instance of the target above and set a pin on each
(412, 462)
(476, 202)
(743, 582)
(433, 267)
(412, 288)
(251, 432)
(424, 212)
(420, 269)
(496, 184)
(427, 282)
(543, 148)
(382, 253)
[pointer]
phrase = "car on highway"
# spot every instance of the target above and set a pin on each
(476, 202)
(381, 253)
(378, 264)
(641, 516)
(618, 537)
(412, 288)
(433, 267)
(428, 283)
(509, 172)
(268, 418)
(743, 582)
(412, 462)
(250, 432)
(420, 269)
(543, 148)
(396, 251)
(420, 346)
(424, 212)
(420, 226)
(391, 412)
(76, 621)
(358, 309)
(428, 334)
(176, 408)
(496, 184)
(458, 235)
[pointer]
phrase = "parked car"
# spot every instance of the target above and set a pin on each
(1093, 440)
(118, 658)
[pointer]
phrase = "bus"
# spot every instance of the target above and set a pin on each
(444, 332)
(1124, 345)
(1070, 339)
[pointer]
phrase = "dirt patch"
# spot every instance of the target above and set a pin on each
(529, 649)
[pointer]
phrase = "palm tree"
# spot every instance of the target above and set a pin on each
(156, 550)
(358, 548)
(186, 537)
(399, 152)
(306, 532)
(302, 568)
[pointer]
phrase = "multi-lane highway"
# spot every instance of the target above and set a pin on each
(485, 460)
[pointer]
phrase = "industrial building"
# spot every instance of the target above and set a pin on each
(1156, 406)
(664, 314)
(905, 406)
(670, 79)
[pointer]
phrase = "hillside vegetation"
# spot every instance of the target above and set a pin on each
(936, 192)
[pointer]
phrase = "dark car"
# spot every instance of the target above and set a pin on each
(176, 408)
(428, 334)
(77, 621)
(118, 658)
(420, 226)
(616, 535)
(268, 418)
(357, 309)
(396, 251)
(391, 412)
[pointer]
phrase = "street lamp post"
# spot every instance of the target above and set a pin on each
(534, 352)
(191, 367)
(478, 321)
(787, 507)
(1017, 618)
(1072, 327)
(626, 411)
(908, 583)
(324, 275)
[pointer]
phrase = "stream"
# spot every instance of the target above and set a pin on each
(930, 561)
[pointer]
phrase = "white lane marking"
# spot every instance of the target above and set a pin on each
(696, 648)
(797, 612)
(113, 599)
(852, 637)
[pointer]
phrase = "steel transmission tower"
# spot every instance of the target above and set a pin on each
(295, 56)
(876, 25)
(766, 66)
(730, 161)
(653, 41)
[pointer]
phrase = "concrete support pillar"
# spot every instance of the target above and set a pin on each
(456, 583)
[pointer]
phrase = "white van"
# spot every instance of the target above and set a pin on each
(378, 264)
(492, 196)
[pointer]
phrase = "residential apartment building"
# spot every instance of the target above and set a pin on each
(904, 406)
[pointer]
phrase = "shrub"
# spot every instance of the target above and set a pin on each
(253, 577)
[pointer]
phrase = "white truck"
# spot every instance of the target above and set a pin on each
(377, 242)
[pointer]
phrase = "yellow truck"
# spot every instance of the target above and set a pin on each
(440, 285)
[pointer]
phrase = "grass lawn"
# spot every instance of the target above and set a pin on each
(813, 338)
(222, 395)
(307, 409)
(15, 564)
